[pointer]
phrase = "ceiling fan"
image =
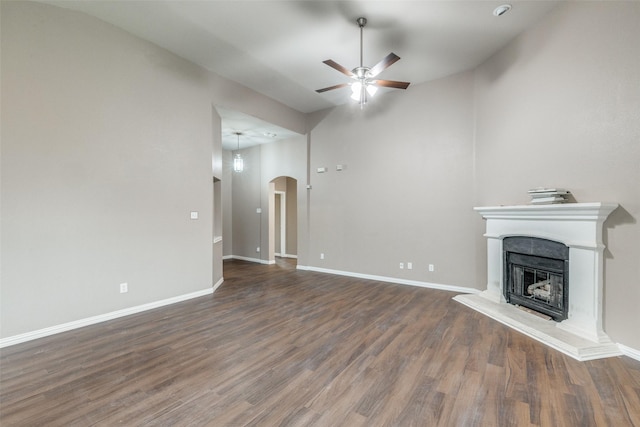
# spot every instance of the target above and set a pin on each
(365, 82)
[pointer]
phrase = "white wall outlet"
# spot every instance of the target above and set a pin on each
(124, 288)
(258, 210)
(321, 170)
(322, 256)
(409, 265)
(402, 265)
(194, 215)
(258, 249)
(431, 267)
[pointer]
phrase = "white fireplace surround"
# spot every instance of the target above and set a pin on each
(577, 225)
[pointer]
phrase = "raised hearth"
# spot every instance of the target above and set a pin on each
(579, 227)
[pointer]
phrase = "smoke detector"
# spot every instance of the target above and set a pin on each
(501, 10)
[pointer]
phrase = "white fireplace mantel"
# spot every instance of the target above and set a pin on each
(577, 225)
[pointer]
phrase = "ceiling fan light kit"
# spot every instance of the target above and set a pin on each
(365, 82)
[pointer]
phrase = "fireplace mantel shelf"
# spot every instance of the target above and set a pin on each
(561, 211)
(577, 225)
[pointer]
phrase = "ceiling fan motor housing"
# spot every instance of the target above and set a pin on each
(364, 76)
(362, 72)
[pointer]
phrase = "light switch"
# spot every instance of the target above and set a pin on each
(194, 215)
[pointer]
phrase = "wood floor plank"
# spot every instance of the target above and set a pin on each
(277, 346)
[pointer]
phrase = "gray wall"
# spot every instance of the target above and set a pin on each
(292, 215)
(107, 145)
(284, 158)
(247, 197)
(227, 203)
(560, 106)
(250, 190)
(216, 134)
(405, 194)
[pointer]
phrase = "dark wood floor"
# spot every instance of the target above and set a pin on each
(276, 346)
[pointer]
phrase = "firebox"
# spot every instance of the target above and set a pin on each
(536, 275)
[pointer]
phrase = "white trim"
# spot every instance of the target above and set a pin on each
(286, 255)
(217, 284)
(283, 219)
(542, 330)
(396, 280)
(244, 258)
(217, 239)
(596, 211)
(41, 333)
(579, 226)
(227, 257)
(631, 352)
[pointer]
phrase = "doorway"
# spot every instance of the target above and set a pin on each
(280, 223)
(283, 222)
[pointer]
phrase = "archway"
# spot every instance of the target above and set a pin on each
(283, 218)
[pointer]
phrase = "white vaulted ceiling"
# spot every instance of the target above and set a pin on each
(277, 47)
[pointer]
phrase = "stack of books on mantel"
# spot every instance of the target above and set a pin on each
(547, 196)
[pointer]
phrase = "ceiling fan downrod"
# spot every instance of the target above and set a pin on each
(361, 73)
(365, 77)
(361, 23)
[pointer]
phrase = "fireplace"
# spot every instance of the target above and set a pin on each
(536, 275)
(533, 253)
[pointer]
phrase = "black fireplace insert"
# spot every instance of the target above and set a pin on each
(536, 275)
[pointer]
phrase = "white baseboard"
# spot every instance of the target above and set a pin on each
(244, 258)
(41, 333)
(418, 283)
(217, 284)
(631, 352)
(286, 255)
(627, 351)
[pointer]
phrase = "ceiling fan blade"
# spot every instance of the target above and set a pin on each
(332, 87)
(380, 66)
(331, 63)
(391, 83)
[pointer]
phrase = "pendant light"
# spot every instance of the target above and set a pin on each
(238, 162)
